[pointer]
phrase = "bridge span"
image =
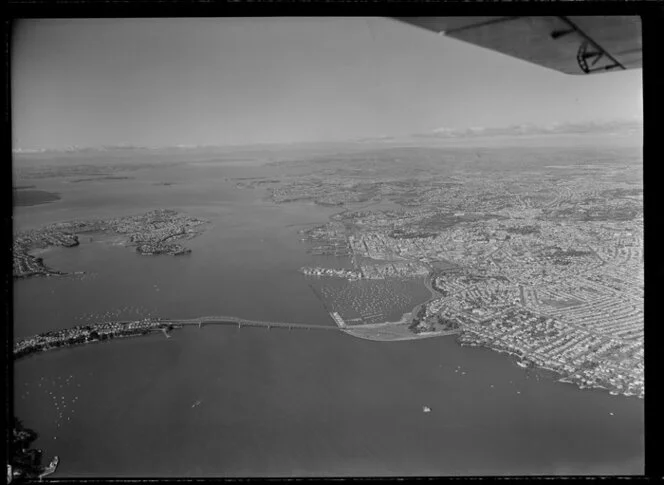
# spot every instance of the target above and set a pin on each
(242, 322)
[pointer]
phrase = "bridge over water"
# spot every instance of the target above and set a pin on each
(242, 322)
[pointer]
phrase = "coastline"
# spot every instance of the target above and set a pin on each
(380, 332)
(560, 376)
(88, 334)
(151, 233)
(394, 333)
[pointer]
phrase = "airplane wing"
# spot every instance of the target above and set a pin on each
(573, 45)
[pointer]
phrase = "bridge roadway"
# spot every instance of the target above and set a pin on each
(241, 322)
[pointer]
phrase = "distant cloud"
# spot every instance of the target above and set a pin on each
(28, 150)
(81, 149)
(375, 138)
(444, 131)
(622, 127)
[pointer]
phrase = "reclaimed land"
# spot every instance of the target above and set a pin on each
(393, 331)
(152, 233)
(406, 328)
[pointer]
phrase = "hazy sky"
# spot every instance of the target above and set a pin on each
(163, 82)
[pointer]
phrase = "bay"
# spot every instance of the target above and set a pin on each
(226, 402)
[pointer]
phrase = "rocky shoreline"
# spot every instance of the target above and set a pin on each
(25, 462)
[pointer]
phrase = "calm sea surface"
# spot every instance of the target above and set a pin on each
(252, 402)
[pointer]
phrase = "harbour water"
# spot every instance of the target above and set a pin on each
(250, 402)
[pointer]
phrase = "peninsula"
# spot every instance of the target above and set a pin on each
(152, 233)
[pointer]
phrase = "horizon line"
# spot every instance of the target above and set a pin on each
(441, 134)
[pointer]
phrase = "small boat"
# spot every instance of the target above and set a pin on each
(426, 409)
(195, 404)
(522, 364)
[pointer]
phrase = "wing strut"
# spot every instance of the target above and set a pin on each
(589, 49)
